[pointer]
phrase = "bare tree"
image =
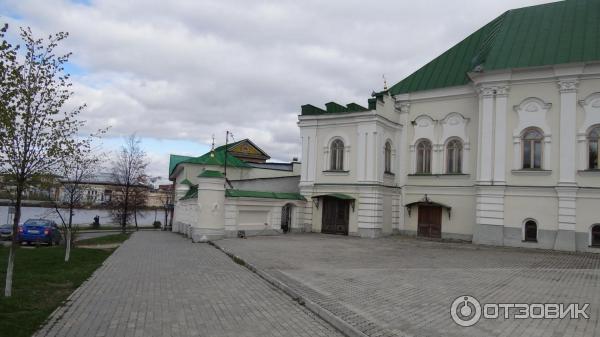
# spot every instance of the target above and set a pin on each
(36, 130)
(75, 170)
(129, 173)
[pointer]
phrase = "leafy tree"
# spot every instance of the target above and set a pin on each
(36, 129)
(129, 174)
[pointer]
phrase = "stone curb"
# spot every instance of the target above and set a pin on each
(338, 323)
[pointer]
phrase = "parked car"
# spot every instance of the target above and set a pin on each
(39, 230)
(6, 232)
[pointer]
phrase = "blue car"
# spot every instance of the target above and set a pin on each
(39, 230)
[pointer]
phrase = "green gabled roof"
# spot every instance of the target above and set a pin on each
(261, 194)
(555, 33)
(206, 159)
(211, 174)
(192, 193)
(175, 159)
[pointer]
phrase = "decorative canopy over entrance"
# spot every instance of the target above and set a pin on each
(339, 196)
(427, 202)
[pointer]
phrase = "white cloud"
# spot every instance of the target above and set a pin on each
(190, 69)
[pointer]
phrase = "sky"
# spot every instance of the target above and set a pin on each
(177, 72)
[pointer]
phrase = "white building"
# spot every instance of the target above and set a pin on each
(494, 141)
(258, 197)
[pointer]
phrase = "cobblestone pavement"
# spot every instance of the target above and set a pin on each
(399, 286)
(160, 284)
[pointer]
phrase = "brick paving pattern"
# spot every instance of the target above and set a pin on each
(404, 287)
(160, 284)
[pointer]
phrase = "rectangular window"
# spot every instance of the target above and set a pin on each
(527, 155)
(594, 155)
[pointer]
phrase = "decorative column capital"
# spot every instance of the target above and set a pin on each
(486, 90)
(402, 107)
(502, 90)
(568, 85)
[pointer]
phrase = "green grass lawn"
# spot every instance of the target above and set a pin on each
(42, 281)
(113, 238)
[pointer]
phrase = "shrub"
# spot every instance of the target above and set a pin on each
(156, 224)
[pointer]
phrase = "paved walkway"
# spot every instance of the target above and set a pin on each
(399, 286)
(160, 284)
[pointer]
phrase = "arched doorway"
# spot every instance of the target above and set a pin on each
(286, 218)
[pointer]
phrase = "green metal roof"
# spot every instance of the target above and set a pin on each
(175, 159)
(260, 194)
(207, 159)
(332, 108)
(192, 193)
(186, 182)
(211, 174)
(555, 33)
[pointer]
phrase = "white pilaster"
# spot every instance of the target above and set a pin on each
(309, 156)
(403, 157)
(500, 135)
(486, 133)
(568, 131)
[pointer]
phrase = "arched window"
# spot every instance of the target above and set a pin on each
(593, 138)
(454, 156)
(337, 155)
(531, 231)
(424, 156)
(532, 149)
(388, 157)
(595, 232)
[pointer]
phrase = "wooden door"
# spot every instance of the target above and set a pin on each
(335, 216)
(430, 222)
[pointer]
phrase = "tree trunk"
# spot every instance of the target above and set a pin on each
(68, 244)
(15, 242)
(68, 238)
(135, 219)
(125, 208)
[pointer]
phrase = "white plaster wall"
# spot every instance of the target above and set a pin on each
(255, 214)
(548, 92)
(540, 204)
(462, 201)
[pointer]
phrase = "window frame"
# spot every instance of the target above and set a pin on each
(592, 243)
(387, 157)
(336, 160)
(423, 163)
(526, 238)
(596, 140)
(457, 156)
(532, 151)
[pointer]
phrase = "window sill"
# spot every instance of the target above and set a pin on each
(532, 172)
(530, 241)
(336, 173)
(589, 172)
(443, 176)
